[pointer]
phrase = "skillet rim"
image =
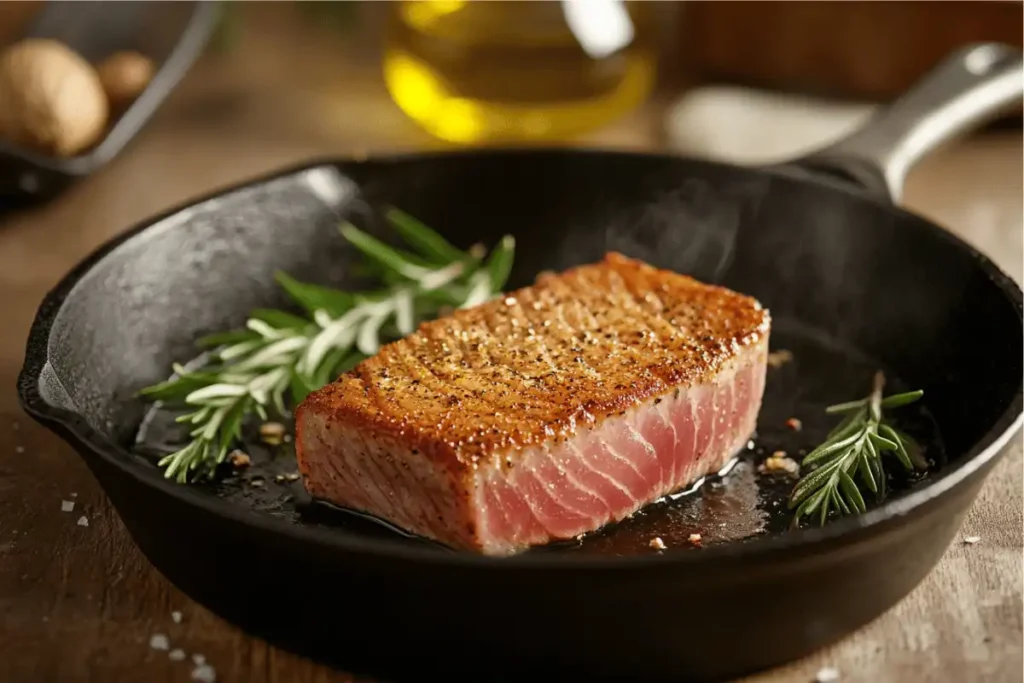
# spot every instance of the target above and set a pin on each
(74, 429)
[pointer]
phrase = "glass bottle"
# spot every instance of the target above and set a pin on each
(479, 71)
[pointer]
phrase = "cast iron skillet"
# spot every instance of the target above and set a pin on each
(853, 284)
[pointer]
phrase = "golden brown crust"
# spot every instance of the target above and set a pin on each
(531, 366)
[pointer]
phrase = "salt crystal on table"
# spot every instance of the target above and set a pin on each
(198, 659)
(176, 655)
(74, 495)
(204, 673)
(158, 641)
(83, 521)
(827, 674)
(67, 505)
(19, 449)
(176, 617)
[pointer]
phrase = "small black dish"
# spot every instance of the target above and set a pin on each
(172, 34)
(853, 284)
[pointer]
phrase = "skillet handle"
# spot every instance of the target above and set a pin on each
(971, 87)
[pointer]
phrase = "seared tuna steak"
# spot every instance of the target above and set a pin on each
(543, 414)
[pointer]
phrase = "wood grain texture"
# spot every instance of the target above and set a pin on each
(855, 49)
(79, 604)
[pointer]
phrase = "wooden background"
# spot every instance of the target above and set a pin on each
(81, 603)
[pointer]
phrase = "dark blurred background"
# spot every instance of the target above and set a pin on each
(240, 89)
(337, 74)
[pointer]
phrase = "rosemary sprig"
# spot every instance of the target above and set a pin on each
(852, 451)
(281, 357)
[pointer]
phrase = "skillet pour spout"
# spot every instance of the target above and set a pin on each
(856, 282)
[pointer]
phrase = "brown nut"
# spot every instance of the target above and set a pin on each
(51, 99)
(124, 76)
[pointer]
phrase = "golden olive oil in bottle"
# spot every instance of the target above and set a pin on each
(483, 71)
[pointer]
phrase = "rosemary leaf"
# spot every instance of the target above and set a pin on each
(850, 406)
(813, 481)
(897, 400)
(385, 255)
(852, 493)
(867, 475)
(828, 448)
(404, 313)
(838, 502)
(325, 373)
(479, 290)
(882, 443)
(368, 339)
(499, 263)
(854, 451)
(173, 389)
(353, 359)
(808, 507)
(314, 297)
(299, 387)
(428, 242)
(226, 338)
(280, 357)
(280, 320)
(240, 349)
(901, 449)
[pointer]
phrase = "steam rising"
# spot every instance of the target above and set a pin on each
(692, 229)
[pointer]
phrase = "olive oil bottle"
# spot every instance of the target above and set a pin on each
(486, 71)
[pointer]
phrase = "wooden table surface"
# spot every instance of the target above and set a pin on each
(81, 603)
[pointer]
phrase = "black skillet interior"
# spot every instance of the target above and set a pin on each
(853, 286)
(171, 34)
